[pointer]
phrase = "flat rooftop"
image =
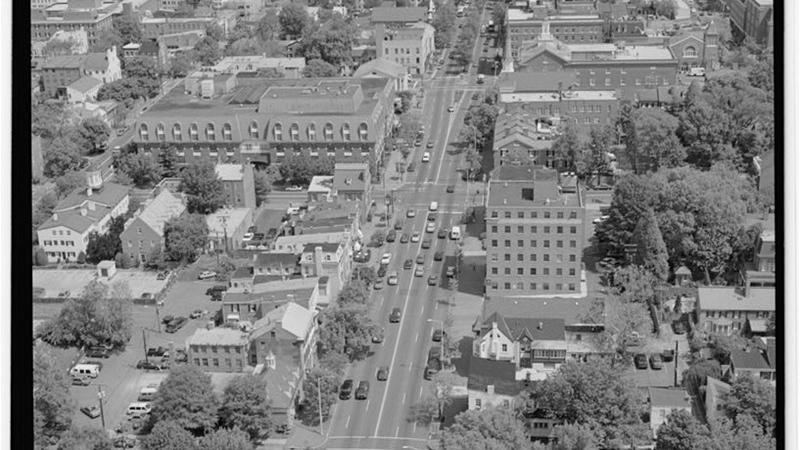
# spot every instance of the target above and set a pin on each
(523, 187)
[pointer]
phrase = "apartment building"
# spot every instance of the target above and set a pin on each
(60, 73)
(238, 184)
(524, 26)
(153, 28)
(89, 15)
(534, 233)
(403, 36)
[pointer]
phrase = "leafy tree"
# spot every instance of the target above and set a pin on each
(495, 428)
(568, 147)
(269, 26)
(410, 126)
(59, 47)
(755, 397)
(215, 32)
(405, 100)
(697, 374)
(483, 118)
(442, 389)
(185, 237)
(474, 161)
(207, 51)
(128, 29)
(682, 431)
(127, 90)
(245, 405)
(595, 159)
(82, 437)
(355, 291)
(105, 40)
(60, 155)
(95, 132)
(317, 68)
(141, 67)
(168, 435)
(377, 239)
(186, 397)
(227, 439)
(574, 437)
(444, 24)
(425, 411)
(319, 381)
(651, 251)
(263, 186)
(67, 183)
(299, 169)
(346, 329)
(762, 74)
(331, 42)
(665, 8)
(169, 162)
(52, 404)
(592, 393)
(142, 169)
(744, 433)
(49, 119)
(293, 20)
(620, 320)
(104, 246)
(203, 188)
(94, 318)
(656, 143)
(181, 64)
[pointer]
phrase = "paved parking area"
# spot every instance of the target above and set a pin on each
(55, 281)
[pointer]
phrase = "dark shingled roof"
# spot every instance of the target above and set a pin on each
(327, 247)
(500, 374)
(407, 14)
(748, 360)
(266, 259)
(517, 327)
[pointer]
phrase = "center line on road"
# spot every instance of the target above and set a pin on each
(420, 392)
(417, 338)
(347, 424)
(397, 432)
(367, 408)
(404, 399)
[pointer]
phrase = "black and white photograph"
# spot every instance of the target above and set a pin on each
(402, 224)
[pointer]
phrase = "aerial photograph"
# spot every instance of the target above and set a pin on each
(405, 224)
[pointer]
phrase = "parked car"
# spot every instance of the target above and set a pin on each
(451, 188)
(438, 256)
(181, 356)
(408, 264)
(362, 391)
(381, 271)
(378, 285)
(383, 373)
(442, 233)
(346, 390)
(81, 381)
(377, 338)
(426, 244)
(220, 288)
(655, 361)
(430, 227)
(640, 360)
(391, 236)
(420, 259)
(392, 280)
(437, 335)
(147, 296)
(398, 225)
(162, 275)
(157, 352)
(452, 108)
(124, 442)
(426, 157)
(419, 271)
(678, 327)
(198, 313)
(415, 236)
(150, 365)
(167, 319)
(433, 280)
(430, 144)
(451, 271)
(93, 412)
(394, 316)
(411, 212)
(404, 238)
(668, 355)
(98, 352)
(176, 324)
(411, 167)
(386, 258)
(207, 275)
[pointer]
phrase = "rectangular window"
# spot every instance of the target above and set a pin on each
(533, 229)
(559, 244)
(559, 271)
(533, 286)
(507, 257)
(494, 270)
(534, 215)
(216, 362)
(520, 229)
(507, 243)
(520, 271)
(573, 230)
(507, 229)
(494, 242)
(507, 214)
(520, 257)
(572, 271)
(571, 258)
(573, 244)
(507, 286)
(507, 271)
(559, 286)
(494, 228)
(547, 229)
(533, 242)
(533, 271)
(546, 257)
(546, 286)
(546, 243)
(533, 256)
(520, 243)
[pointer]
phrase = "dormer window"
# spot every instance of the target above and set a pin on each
(227, 133)
(294, 132)
(160, 134)
(346, 132)
(312, 132)
(193, 132)
(362, 132)
(277, 130)
(270, 358)
(253, 130)
(176, 132)
(210, 132)
(328, 131)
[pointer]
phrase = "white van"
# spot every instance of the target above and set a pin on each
(697, 72)
(138, 409)
(434, 206)
(147, 394)
(85, 370)
(455, 233)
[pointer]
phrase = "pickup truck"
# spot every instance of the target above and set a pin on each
(434, 362)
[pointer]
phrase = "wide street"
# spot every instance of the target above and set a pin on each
(380, 421)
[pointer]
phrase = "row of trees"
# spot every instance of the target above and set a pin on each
(444, 23)
(478, 130)
(464, 50)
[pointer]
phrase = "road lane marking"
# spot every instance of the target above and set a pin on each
(396, 346)
(420, 391)
(417, 338)
(367, 404)
(404, 399)
(397, 432)
(347, 424)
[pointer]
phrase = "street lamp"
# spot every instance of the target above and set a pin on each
(101, 394)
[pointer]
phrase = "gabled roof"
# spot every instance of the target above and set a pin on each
(753, 359)
(668, 398)
(85, 84)
(327, 247)
(274, 258)
(380, 66)
(405, 14)
(715, 388)
(109, 194)
(500, 374)
(731, 299)
(72, 220)
(161, 209)
(291, 317)
(515, 328)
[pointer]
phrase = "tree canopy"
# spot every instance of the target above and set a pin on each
(52, 404)
(490, 428)
(318, 68)
(318, 381)
(346, 329)
(185, 237)
(168, 435)
(755, 397)
(227, 439)
(186, 397)
(203, 188)
(293, 19)
(245, 405)
(331, 41)
(651, 251)
(299, 169)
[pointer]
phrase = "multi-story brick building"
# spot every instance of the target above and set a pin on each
(264, 120)
(88, 15)
(238, 185)
(534, 233)
(60, 72)
(402, 36)
(598, 66)
(153, 28)
(525, 26)
(753, 18)
(144, 232)
(523, 139)
(696, 47)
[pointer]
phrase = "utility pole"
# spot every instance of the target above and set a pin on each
(100, 396)
(319, 399)
(158, 318)
(144, 340)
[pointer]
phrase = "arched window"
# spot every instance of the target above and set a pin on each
(312, 132)
(294, 131)
(227, 133)
(346, 131)
(193, 132)
(328, 131)
(690, 52)
(210, 132)
(176, 132)
(254, 129)
(160, 134)
(144, 134)
(277, 129)
(362, 131)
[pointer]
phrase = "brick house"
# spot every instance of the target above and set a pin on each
(59, 72)
(145, 231)
(238, 184)
(726, 309)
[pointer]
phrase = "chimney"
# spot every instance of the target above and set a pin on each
(83, 211)
(91, 206)
(541, 325)
(55, 217)
(490, 389)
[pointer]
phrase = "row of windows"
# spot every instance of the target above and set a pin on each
(61, 254)
(535, 229)
(215, 362)
(535, 215)
(62, 243)
(596, 108)
(533, 257)
(519, 286)
(648, 81)
(735, 314)
(61, 232)
(227, 132)
(204, 348)
(533, 243)
(533, 271)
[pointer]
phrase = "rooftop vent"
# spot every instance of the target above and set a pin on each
(541, 325)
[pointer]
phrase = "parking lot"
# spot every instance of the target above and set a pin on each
(57, 281)
(119, 379)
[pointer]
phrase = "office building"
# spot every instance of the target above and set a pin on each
(88, 15)
(403, 36)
